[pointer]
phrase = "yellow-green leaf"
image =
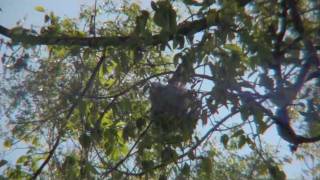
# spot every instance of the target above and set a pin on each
(7, 143)
(39, 8)
(22, 159)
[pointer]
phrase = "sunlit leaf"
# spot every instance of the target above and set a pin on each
(39, 8)
(22, 159)
(7, 143)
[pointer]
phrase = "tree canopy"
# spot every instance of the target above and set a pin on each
(170, 90)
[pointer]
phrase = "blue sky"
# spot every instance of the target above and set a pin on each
(13, 11)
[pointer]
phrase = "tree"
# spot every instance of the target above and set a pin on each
(125, 96)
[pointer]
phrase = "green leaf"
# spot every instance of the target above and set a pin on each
(147, 165)
(168, 155)
(185, 169)
(91, 168)
(212, 16)
(22, 159)
(204, 117)
(165, 17)
(82, 107)
(141, 22)
(140, 123)
(233, 48)
(206, 165)
(258, 118)
(224, 139)
(245, 113)
(7, 143)
(238, 133)
(242, 141)
(39, 8)
(163, 177)
(18, 31)
(85, 140)
(276, 173)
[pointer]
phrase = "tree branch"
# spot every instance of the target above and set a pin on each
(282, 118)
(312, 57)
(285, 128)
(184, 28)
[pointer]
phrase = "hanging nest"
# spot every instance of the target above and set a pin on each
(174, 112)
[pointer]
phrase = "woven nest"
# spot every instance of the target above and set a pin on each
(174, 110)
